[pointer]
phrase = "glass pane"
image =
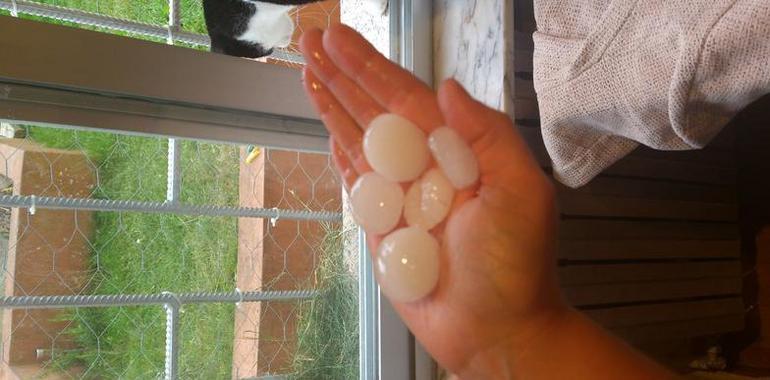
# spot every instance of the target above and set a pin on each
(119, 17)
(152, 12)
(102, 222)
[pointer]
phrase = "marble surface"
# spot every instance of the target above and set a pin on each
(471, 43)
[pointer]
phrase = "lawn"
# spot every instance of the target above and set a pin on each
(136, 253)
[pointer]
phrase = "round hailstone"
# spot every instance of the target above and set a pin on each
(454, 157)
(376, 203)
(407, 264)
(396, 148)
(428, 200)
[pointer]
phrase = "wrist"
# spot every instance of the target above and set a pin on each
(502, 360)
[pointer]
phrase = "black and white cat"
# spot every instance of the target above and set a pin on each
(252, 29)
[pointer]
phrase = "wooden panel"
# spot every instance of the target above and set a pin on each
(522, 60)
(708, 167)
(580, 204)
(708, 156)
(602, 294)
(672, 170)
(652, 189)
(591, 229)
(524, 16)
(665, 312)
(572, 275)
(726, 138)
(525, 89)
(681, 329)
(525, 108)
(647, 249)
(523, 40)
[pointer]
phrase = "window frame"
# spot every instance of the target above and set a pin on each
(69, 81)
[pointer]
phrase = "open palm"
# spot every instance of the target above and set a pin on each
(497, 279)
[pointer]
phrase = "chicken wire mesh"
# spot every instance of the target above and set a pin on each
(147, 256)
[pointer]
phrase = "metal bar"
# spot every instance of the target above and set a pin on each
(287, 56)
(56, 203)
(172, 340)
(394, 25)
(368, 314)
(58, 302)
(100, 21)
(25, 104)
(174, 175)
(174, 20)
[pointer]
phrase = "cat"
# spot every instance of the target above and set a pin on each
(252, 29)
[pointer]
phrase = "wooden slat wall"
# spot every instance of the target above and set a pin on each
(650, 249)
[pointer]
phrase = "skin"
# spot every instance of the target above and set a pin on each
(497, 311)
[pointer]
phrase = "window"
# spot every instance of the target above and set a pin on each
(138, 175)
(178, 22)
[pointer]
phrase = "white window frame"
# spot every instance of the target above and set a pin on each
(70, 80)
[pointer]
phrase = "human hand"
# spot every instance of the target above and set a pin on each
(497, 286)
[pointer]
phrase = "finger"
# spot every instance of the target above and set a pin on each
(491, 134)
(344, 166)
(391, 86)
(362, 107)
(340, 124)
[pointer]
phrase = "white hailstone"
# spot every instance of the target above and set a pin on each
(376, 203)
(407, 264)
(396, 148)
(454, 157)
(428, 200)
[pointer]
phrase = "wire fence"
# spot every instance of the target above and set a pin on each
(229, 265)
(152, 257)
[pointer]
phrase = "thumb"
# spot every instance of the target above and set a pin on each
(502, 153)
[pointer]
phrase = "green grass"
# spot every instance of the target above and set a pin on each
(139, 253)
(145, 11)
(327, 336)
(136, 253)
(154, 12)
